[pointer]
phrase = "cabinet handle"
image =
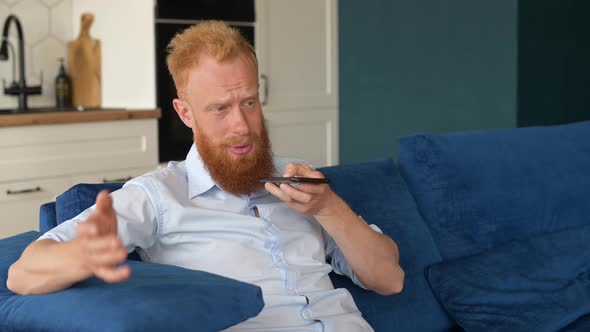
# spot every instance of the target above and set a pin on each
(23, 191)
(105, 180)
(264, 90)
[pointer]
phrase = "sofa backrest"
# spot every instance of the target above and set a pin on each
(477, 190)
(47, 217)
(71, 202)
(376, 191)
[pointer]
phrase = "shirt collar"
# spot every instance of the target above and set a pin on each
(200, 181)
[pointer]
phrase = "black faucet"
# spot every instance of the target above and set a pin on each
(19, 89)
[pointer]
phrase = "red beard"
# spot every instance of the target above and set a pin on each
(237, 174)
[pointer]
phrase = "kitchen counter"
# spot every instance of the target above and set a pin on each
(59, 117)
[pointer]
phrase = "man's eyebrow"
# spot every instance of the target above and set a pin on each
(218, 102)
(251, 95)
(228, 99)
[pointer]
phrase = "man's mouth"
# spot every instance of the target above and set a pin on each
(240, 149)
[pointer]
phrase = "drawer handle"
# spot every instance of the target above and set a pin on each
(23, 191)
(105, 180)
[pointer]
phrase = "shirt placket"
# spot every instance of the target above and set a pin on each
(277, 254)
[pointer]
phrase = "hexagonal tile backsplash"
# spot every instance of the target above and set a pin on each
(47, 28)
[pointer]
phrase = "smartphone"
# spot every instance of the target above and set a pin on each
(295, 179)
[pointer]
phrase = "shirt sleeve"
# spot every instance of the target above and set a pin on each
(137, 219)
(338, 261)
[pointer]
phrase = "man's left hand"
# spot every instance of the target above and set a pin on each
(315, 199)
(374, 257)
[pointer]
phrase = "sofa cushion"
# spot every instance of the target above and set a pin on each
(476, 190)
(535, 284)
(156, 298)
(78, 198)
(376, 191)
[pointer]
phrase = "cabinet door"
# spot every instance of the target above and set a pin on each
(311, 135)
(59, 150)
(20, 202)
(123, 175)
(296, 44)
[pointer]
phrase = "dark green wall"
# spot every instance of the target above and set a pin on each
(423, 65)
(553, 61)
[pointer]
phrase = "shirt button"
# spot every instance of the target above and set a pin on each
(306, 314)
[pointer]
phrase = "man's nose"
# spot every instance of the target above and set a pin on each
(239, 122)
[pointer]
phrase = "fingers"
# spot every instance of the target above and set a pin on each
(104, 216)
(104, 203)
(99, 245)
(113, 274)
(87, 229)
(104, 251)
(304, 170)
(299, 169)
(282, 194)
(308, 198)
(276, 191)
(311, 188)
(295, 194)
(290, 170)
(303, 194)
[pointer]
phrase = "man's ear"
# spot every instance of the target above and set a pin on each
(184, 112)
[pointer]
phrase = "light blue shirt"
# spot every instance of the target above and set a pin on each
(179, 216)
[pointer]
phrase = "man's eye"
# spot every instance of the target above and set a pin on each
(250, 103)
(220, 108)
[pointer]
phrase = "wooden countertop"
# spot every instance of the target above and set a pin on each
(45, 118)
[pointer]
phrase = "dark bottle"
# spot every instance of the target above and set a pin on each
(63, 85)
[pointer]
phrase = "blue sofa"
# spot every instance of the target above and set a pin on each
(493, 229)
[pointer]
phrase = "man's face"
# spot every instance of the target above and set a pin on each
(222, 107)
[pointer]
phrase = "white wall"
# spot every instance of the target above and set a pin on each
(47, 27)
(126, 31)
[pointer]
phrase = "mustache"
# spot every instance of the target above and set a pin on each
(241, 140)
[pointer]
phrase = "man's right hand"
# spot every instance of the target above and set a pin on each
(100, 248)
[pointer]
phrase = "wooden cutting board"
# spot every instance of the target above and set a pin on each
(84, 64)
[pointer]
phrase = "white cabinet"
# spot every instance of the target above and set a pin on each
(122, 175)
(296, 43)
(308, 134)
(40, 162)
(20, 202)
(297, 48)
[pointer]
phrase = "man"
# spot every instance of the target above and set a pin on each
(210, 212)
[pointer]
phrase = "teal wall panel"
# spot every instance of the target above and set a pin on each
(423, 65)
